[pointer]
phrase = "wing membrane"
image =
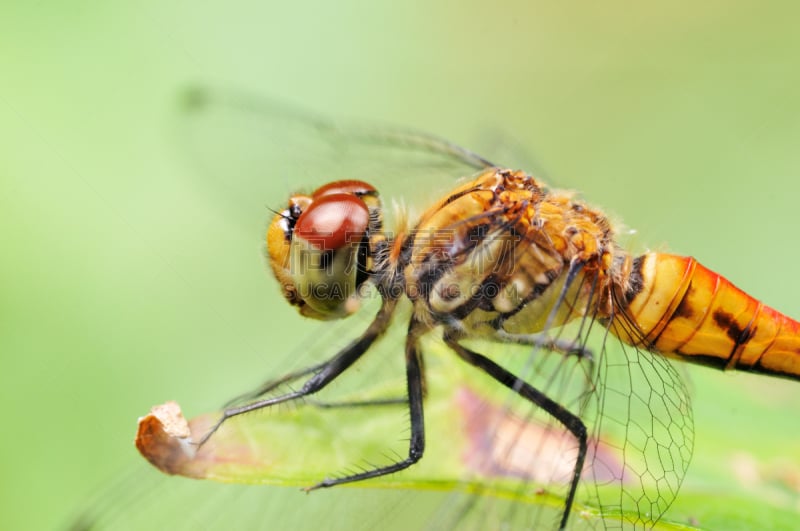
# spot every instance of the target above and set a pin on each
(512, 463)
(251, 152)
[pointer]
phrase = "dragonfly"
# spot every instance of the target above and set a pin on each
(592, 412)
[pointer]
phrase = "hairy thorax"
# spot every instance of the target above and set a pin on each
(496, 255)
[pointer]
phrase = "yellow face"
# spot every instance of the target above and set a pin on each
(318, 248)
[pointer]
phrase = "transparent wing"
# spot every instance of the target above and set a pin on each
(633, 403)
(648, 415)
(493, 461)
(637, 412)
(248, 154)
(252, 153)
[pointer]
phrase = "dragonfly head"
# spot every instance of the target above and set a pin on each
(319, 247)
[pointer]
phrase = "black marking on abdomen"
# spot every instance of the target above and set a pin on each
(738, 335)
(715, 362)
(684, 309)
(635, 279)
(759, 369)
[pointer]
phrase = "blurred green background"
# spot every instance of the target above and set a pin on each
(122, 284)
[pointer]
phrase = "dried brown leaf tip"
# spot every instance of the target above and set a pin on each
(165, 439)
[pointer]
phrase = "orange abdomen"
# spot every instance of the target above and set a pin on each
(684, 310)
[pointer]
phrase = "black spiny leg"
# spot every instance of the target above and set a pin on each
(417, 442)
(570, 421)
(564, 346)
(271, 385)
(325, 373)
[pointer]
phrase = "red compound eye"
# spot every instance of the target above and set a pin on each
(333, 220)
(352, 187)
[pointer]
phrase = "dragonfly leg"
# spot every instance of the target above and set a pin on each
(568, 419)
(271, 385)
(359, 403)
(417, 442)
(326, 374)
(564, 346)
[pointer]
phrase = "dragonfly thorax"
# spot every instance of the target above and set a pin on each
(496, 253)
